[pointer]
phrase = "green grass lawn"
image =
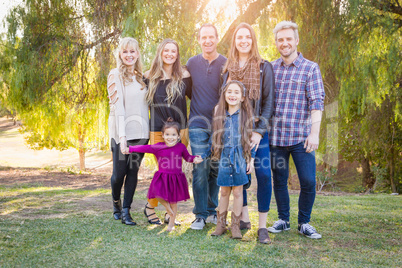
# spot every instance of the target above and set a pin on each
(55, 227)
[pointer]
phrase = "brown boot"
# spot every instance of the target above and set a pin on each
(221, 224)
(235, 227)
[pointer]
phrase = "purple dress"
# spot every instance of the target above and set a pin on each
(169, 182)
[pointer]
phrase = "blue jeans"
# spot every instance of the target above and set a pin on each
(262, 167)
(305, 166)
(205, 187)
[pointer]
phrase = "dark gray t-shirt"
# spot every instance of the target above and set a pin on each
(205, 91)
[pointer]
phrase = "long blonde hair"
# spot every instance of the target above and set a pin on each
(233, 55)
(156, 73)
(125, 75)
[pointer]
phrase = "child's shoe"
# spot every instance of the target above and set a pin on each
(221, 224)
(235, 227)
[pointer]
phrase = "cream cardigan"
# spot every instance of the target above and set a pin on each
(128, 109)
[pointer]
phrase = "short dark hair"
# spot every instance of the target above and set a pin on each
(208, 25)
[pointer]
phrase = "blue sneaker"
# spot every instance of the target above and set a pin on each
(279, 226)
(308, 231)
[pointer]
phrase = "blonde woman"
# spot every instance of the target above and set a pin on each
(128, 124)
(168, 84)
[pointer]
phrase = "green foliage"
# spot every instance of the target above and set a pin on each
(381, 183)
(74, 110)
(50, 76)
(358, 47)
(325, 179)
(152, 21)
(369, 73)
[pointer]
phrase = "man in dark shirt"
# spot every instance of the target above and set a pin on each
(205, 70)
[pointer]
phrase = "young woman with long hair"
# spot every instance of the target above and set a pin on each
(168, 84)
(246, 65)
(128, 124)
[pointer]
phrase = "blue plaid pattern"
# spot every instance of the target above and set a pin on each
(299, 89)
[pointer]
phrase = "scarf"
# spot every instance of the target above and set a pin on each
(249, 75)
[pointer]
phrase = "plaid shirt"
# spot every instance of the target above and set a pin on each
(299, 89)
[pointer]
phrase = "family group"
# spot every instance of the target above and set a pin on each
(246, 115)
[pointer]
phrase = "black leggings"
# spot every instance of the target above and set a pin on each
(125, 170)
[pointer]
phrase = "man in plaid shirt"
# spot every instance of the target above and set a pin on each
(295, 128)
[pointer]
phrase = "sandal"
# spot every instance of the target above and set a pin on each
(153, 220)
(177, 223)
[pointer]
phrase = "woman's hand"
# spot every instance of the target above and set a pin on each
(255, 140)
(123, 145)
(198, 159)
(250, 166)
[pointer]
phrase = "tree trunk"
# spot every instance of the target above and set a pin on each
(252, 13)
(392, 156)
(368, 177)
(391, 168)
(81, 148)
(82, 159)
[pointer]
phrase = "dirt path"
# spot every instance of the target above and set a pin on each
(15, 153)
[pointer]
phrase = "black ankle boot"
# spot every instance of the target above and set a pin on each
(126, 217)
(117, 209)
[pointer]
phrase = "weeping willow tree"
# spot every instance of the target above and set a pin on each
(358, 45)
(369, 69)
(57, 54)
(53, 64)
(71, 114)
(153, 21)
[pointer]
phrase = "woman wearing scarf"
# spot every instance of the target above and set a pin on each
(246, 65)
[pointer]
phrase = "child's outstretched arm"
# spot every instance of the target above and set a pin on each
(198, 159)
(142, 149)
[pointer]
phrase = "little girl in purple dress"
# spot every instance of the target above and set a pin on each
(169, 184)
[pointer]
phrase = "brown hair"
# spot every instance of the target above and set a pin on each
(170, 123)
(233, 55)
(245, 123)
(156, 73)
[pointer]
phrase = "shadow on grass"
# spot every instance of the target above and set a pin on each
(15, 177)
(33, 201)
